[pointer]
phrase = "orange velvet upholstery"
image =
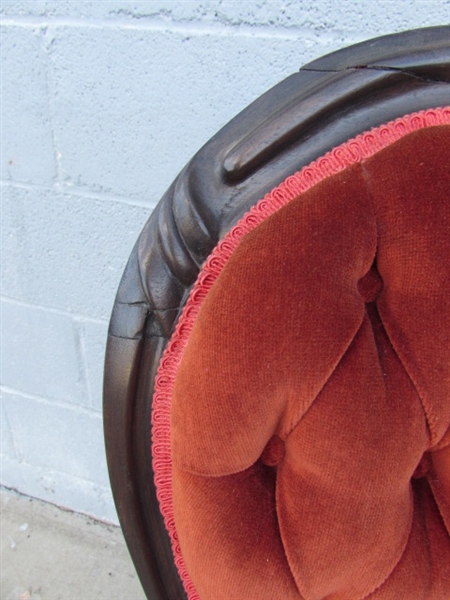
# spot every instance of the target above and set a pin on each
(310, 416)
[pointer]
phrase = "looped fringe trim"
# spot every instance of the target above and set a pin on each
(354, 151)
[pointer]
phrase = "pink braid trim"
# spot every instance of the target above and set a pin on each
(354, 151)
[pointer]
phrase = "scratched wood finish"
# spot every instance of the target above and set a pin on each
(327, 102)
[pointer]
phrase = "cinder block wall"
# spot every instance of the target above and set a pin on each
(102, 104)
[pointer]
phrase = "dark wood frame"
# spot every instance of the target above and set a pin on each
(327, 102)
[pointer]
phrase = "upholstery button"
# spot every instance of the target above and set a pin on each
(274, 452)
(370, 285)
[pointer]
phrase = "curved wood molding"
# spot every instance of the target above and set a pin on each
(327, 102)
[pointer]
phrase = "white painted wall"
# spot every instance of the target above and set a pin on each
(102, 104)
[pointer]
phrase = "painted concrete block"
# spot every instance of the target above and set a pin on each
(66, 252)
(93, 343)
(6, 440)
(59, 488)
(91, 9)
(318, 16)
(27, 141)
(62, 438)
(40, 353)
(133, 105)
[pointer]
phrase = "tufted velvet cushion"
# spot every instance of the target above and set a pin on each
(310, 407)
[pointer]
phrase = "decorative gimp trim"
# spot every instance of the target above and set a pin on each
(349, 153)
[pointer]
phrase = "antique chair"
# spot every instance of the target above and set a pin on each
(293, 441)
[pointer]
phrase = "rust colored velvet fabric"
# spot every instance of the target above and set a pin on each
(310, 414)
